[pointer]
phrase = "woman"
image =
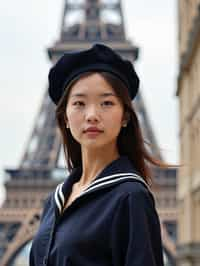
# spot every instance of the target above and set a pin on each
(104, 213)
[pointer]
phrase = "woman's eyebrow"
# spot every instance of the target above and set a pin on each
(106, 94)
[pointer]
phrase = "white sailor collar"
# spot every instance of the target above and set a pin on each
(117, 171)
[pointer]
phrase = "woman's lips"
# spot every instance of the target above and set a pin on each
(93, 133)
(93, 130)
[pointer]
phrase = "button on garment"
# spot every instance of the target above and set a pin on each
(112, 222)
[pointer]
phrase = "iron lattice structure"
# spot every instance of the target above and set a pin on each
(83, 23)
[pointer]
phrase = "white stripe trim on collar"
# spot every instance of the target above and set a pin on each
(61, 194)
(131, 176)
(99, 180)
(60, 199)
(56, 197)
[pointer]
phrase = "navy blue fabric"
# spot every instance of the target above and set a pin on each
(114, 223)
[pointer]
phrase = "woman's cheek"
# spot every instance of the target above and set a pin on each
(74, 116)
(76, 123)
(115, 120)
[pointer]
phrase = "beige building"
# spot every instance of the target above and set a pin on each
(188, 92)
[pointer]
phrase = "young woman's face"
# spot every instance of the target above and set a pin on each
(92, 102)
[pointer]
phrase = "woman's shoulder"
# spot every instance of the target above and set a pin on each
(134, 184)
(135, 189)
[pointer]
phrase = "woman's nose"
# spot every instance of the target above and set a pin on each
(92, 113)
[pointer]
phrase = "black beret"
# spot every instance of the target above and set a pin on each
(98, 58)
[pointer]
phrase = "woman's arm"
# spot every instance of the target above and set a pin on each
(45, 208)
(136, 235)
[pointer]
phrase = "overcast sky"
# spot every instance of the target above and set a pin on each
(29, 27)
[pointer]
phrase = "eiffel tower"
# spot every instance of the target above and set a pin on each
(84, 22)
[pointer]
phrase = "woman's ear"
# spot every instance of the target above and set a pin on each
(126, 118)
(66, 120)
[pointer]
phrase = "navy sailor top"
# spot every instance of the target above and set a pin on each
(113, 222)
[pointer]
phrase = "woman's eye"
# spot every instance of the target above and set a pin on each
(78, 103)
(108, 103)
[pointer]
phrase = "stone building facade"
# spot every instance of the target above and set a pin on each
(188, 92)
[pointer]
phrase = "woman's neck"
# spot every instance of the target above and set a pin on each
(94, 163)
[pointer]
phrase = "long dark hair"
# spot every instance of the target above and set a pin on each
(130, 141)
